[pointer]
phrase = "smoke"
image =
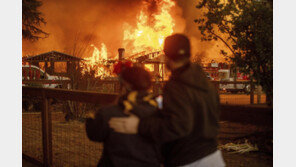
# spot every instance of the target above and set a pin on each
(200, 49)
(74, 24)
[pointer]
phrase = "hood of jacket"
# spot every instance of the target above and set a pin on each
(191, 75)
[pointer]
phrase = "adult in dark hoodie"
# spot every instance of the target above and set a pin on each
(121, 150)
(188, 123)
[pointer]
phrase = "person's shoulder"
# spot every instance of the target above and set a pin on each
(173, 84)
(109, 107)
(110, 110)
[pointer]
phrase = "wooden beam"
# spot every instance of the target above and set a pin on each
(248, 114)
(32, 160)
(45, 81)
(72, 95)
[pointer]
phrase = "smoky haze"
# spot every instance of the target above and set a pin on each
(74, 24)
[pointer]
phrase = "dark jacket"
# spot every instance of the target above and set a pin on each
(122, 150)
(188, 123)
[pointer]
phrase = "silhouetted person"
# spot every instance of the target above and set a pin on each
(121, 150)
(188, 123)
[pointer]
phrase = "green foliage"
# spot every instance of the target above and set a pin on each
(246, 28)
(31, 20)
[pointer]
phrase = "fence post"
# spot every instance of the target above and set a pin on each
(46, 132)
(252, 92)
(259, 89)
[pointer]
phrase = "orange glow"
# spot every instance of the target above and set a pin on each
(139, 26)
(98, 55)
(97, 62)
(149, 35)
(149, 67)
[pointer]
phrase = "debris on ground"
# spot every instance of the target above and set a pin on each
(239, 148)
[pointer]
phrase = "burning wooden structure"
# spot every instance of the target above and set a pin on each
(49, 60)
(155, 63)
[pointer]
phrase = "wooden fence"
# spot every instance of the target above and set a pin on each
(256, 115)
(45, 94)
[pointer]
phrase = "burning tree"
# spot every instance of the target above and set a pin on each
(246, 28)
(31, 20)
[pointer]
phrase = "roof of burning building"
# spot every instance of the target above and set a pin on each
(153, 57)
(52, 56)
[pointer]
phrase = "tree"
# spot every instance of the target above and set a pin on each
(246, 29)
(199, 57)
(31, 20)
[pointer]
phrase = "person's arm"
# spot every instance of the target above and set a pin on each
(174, 121)
(96, 128)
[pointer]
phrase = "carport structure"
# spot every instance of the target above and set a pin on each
(48, 61)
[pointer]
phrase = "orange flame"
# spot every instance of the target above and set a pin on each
(150, 36)
(97, 61)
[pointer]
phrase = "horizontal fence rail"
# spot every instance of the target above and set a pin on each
(45, 81)
(114, 81)
(72, 95)
(257, 115)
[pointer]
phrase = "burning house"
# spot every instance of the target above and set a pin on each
(154, 62)
(55, 63)
(142, 43)
(140, 30)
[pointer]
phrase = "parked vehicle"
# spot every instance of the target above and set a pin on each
(34, 73)
(224, 75)
(229, 87)
(31, 73)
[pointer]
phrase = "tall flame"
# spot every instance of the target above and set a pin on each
(97, 61)
(149, 36)
(97, 54)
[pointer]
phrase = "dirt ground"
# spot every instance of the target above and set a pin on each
(71, 147)
(252, 159)
(257, 136)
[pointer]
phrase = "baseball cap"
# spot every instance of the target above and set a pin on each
(177, 47)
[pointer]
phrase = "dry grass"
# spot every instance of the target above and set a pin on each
(71, 147)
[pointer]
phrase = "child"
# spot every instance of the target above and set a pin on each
(122, 149)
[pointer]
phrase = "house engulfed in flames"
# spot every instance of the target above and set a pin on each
(143, 43)
(152, 62)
